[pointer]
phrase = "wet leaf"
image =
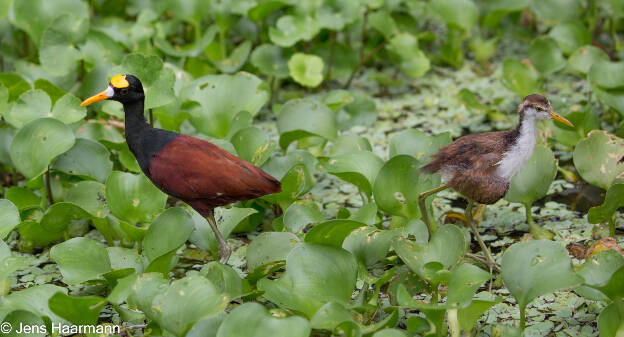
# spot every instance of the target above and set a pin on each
(417, 144)
(546, 56)
(301, 214)
(301, 118)
(570, 36)
(332, 232)
(456, 13)
(167, 232)
(597, 158)
(254, 320)
(133, 198)
(270, 247)
(271, 60)
(81, 259)
(9, 217)
(306, 69)
(613, 200)
(83, 310)
(86, 158)
(519, 78)
(253, 145)
(358, 168)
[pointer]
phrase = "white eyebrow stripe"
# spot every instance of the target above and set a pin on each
(110, 92)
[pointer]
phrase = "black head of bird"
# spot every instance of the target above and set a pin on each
(125, 89)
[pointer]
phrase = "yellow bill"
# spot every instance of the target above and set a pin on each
(106, 94)
(560, 118)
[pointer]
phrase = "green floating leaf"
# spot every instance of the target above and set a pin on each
(528, 269)
(289, 30)
(610, 321)
(191, 50)
(358, 168)
(253, 145)
(58, 55)
(462, 14)
(254, 320)
(301, 118)
(227, 219)
(14, 83)
(447, 247)
(417, 144)
(90, 196)
(369, 244)
(582, 59)
(520, 78)
(382, 21)
(224, 278)
(53, 90)
(270, 247)
(389, 333)
(546, 56)
(25, 11)
(271, 60)
(607, 74)
(412, 60)
(330, 315)
(570, 36)
(346, 143)
(86, 158)
(597, 158)
(613, 200)
(361, 111)
(167, 233)
(133, 198)
(9, 217)
(34, 300)
(83, 310)
(37, 143)
(295, 183)
(300, 214)
(31, 105)
(157, 80)
(236, 59)
(533, 181)
(393, 195)
(58, 216)
(599, 269)
(332, 232)
(81, 259)
(338, 98)
(613, 98)
(465, 280)
(23, 198)
(23, 318)
(220, 104)
(177, 307)
(306, 69)
(315, 275)
(556, 10)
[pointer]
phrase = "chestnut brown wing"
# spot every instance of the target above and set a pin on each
(204, 175)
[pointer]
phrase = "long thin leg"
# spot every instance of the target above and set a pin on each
(491, 262)
(431, 226)
(224, 251)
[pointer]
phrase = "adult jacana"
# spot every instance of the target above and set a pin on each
(193, 170)
(480, 166)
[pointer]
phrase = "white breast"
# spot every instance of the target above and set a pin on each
(519, 153)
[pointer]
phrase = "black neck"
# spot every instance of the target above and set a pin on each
(135, 124)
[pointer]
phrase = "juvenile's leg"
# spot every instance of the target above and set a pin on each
(486, 251)
(432, 227)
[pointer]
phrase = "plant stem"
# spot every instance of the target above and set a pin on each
(222, 43)
(330, 63)
(49, 187)
(451, 317)
(362, 62)
(612, 226)
(363, 34)
(522, 318)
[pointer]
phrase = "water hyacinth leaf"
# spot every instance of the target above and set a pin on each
(190, 50)
(598, 270)
(315, 275)
(67, 109)
(220, 104)
(104, 133)
(336, 99)
(227, 219)
(4, 98)
(389, 333)
(271, 60)
(447, 246)
(53, 90)
(597, 158)
(412, 60)
(83, 310)
(465, 280)
(25, 318)
(330, 315)
(471, 314)
(270, 247)
(279, 166)
(613, 98)
(25, 11)
(24, 198)
(254, 320)
(289, 30)
(157, 80)
(358, 168)
(37, 143)
(520, 78)
(58, 55)
(369, 244)
(607, 74)
(393, 195)
(461, 14)
(570, 36)
(382, 21)
(224, 278)
(546, 56)
(349, 143)
(556, 10)
(610, 321)
(528, 269)
(300, 214)
(81, 259)
(58, 216)
(306, 69)
(87, 159)
(236, 59)
(361, 111)
(333, 14)
(342, 58)
(417, 144)
(582, 59)
(35, 300)
(295, 183)
(15, 84)
(125, 258)
(167, 232)
(31, 105)
(9, 217)
(90, 196)
(533, 181)
(253, 145)
(613, 200)
(332, 232)
(133, 198)
(301, 118)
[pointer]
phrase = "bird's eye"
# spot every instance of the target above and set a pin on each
(123, 92)
(539, 108)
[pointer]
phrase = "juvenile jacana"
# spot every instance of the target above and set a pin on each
(193, 170)
(480, 166)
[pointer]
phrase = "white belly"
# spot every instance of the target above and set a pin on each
(518, 155)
